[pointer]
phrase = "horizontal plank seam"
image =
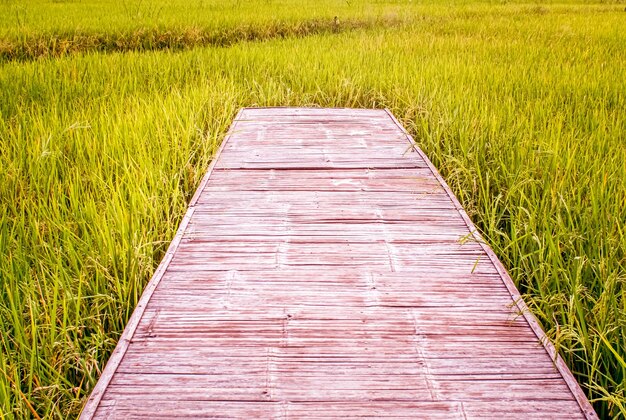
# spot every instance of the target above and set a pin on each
(316, 168)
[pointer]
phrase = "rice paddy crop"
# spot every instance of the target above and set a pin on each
(520, 106)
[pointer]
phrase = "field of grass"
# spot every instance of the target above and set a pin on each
(520, 105)
(58, 28)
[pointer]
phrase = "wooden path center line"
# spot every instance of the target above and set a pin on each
(325, 270)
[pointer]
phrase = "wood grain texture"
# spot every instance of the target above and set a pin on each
(326, 270)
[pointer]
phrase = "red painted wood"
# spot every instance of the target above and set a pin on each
(325, 269)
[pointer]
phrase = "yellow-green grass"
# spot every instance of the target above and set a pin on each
(44, 28)
(21, 18)
(520, 106)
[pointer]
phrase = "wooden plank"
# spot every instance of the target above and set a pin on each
(325, 269)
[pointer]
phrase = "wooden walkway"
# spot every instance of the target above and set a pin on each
(324, 269)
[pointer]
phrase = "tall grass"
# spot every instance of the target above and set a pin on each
(36, 46)
(111, 16)
(520, 106)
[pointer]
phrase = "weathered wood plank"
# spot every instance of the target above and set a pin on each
(325, 270)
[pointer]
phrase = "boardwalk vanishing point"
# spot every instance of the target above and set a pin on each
(324, 269)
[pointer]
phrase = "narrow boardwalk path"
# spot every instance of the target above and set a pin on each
(324, 269)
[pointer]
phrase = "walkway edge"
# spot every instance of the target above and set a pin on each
(129, 330)
(572, 383)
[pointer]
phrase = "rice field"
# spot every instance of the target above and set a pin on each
(110, 113)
